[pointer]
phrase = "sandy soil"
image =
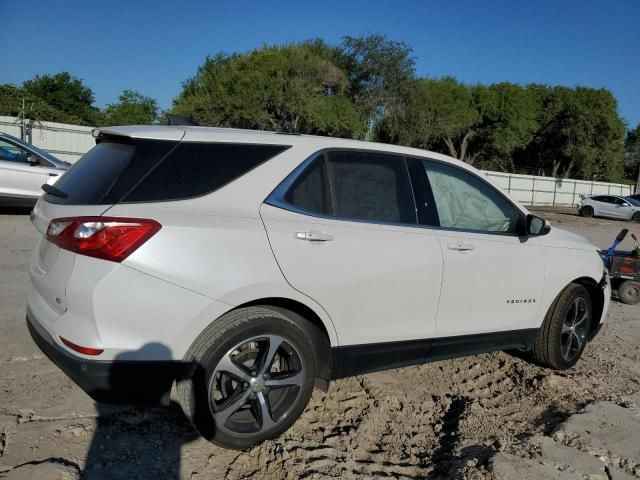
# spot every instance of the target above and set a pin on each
(447, 419)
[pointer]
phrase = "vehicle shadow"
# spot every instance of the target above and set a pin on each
(137, 442)
(15, 210)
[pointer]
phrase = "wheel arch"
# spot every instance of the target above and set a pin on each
(308, 314)
(596, 294)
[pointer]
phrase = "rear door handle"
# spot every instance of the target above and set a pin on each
(313, 236)
(460, 246)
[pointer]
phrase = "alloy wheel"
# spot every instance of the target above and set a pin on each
(255, 385)
(574, 329)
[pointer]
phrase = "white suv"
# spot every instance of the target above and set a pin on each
(250, 266)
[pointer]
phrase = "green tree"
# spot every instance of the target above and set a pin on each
(15, 101)
(440, 113)
(379, 71)
(132, 108)
(632, 154)
(290, 88)
(508, 123)
(65, 93)
(580, 133)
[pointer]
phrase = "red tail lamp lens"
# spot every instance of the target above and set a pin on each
(108, 238)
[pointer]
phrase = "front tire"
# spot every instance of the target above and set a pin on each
(565, 330)
(636, 217)
(251, 375)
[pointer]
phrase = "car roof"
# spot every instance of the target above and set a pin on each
(219, 134)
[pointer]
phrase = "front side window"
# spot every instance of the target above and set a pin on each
(465, 202)
(355, 185)
(13, 153)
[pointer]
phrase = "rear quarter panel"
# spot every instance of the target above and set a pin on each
(225, 258)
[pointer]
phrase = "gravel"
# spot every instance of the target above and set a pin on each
(486, 416)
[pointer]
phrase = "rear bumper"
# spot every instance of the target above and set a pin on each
(122, 382)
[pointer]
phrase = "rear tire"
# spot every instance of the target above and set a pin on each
(629, 292)
(586, 211)
(565, 330)
(251, 375)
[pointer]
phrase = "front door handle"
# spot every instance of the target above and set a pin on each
(313, 236)
(460, 246)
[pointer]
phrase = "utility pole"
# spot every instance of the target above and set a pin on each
(26, 123)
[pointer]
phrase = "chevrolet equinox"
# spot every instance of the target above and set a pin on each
(247, 267)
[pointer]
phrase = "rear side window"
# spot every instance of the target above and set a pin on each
(310, 191)
(194, 169)
(370, 186)
(354, 185)
(152, 170)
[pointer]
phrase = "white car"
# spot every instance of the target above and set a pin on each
(249, 267)
(610, 206)
(24, 168)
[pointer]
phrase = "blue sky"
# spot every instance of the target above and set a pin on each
(152, 46)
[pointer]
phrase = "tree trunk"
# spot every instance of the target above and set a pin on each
(465, 144)
(568, 169)
(472, 159)
(452, 148)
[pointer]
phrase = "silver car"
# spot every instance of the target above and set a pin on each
(610, 206)
(23, 170)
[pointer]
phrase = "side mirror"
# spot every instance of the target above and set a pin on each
(33, 160)
(537, 226)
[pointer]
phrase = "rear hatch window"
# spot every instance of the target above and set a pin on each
(119, 170)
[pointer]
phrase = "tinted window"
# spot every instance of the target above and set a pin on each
(194, 169)
(90, 179)
(370, 186)
(310, 191)
(599, 199)
(151, 170)
(463, 201)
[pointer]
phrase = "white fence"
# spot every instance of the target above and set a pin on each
(67, 142)
(534, 190)
(70, 142)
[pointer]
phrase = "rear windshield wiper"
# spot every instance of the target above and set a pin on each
(51, 190)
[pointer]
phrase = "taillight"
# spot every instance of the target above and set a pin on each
(108, 238)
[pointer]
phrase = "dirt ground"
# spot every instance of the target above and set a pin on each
(451, 419)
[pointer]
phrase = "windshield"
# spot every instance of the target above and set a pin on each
(632, 201)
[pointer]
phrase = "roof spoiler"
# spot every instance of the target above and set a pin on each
(183, 120)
